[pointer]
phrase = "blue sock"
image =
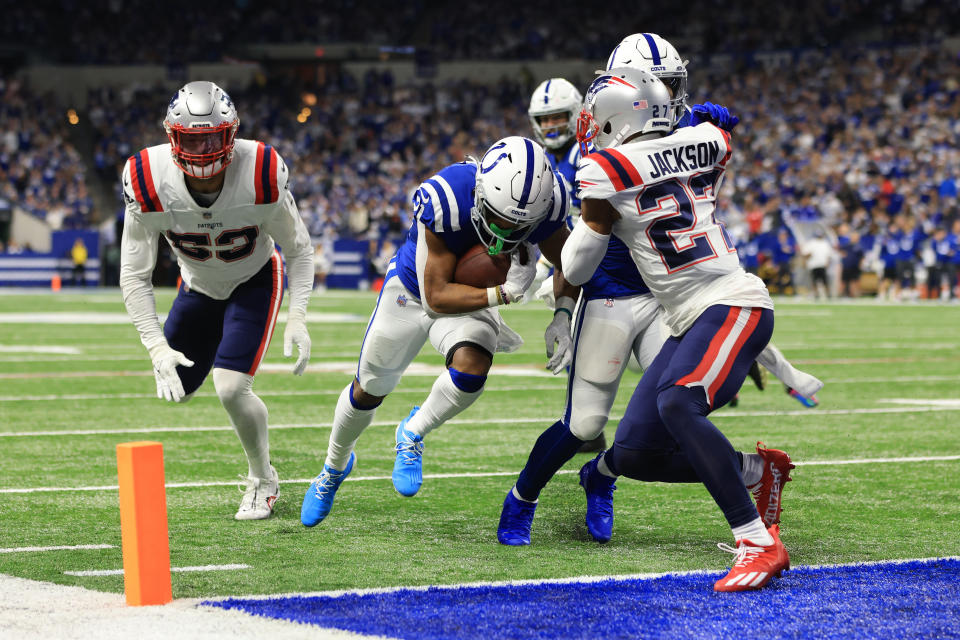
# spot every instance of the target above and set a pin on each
(553, 449)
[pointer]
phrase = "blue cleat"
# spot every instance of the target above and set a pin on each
(408, 467)
(515, 521)
(319, 497)
(599, 489)
(809, 403)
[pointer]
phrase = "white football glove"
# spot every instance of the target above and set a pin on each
(520, 276)
(165, 361)
(543, 274)
(545, 293)
(558, 332)
(296, 334)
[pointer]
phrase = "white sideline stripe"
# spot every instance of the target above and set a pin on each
(918, 401)
(207, 394)
(475, 474)
(550, 581)
(119, 572)
(70, 547)
(383, 423)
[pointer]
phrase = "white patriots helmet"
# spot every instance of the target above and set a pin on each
(650, 52)
(201, 124)
(514, 185)
(620, 104)
(551, 97)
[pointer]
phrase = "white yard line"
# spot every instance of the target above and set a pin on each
(119, 572)
(71, 547)
(812, 413)
(476, 474)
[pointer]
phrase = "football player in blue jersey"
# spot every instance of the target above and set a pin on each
(508, 201)
(617, 316)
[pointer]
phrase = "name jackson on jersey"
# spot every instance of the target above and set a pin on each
(684, 159)
(223, 244)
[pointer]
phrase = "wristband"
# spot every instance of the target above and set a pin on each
(565, 303)
(496, 296)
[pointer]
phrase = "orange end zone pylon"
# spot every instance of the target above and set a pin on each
(143, 523)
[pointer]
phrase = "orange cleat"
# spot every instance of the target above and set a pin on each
(768, 493)
(754, 566)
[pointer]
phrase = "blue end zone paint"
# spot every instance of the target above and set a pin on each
(916, 599)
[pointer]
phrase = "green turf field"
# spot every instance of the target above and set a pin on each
(71, 389)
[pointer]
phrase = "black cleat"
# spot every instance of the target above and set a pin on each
(759, 375)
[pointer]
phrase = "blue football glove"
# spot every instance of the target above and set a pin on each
(715, 113)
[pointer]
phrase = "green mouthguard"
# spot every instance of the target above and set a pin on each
(500, 234)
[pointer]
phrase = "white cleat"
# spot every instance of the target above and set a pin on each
(259, 496)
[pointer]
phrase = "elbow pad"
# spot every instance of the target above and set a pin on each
(582, 253)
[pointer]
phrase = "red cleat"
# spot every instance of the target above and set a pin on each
(768, 493)
(754, 565)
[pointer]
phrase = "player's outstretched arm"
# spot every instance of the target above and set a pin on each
(288, 230)
(558, 336)
(588, 241)
(138, 255)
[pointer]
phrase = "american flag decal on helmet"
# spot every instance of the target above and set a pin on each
(639, 104)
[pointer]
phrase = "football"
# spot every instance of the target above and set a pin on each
(478, 268)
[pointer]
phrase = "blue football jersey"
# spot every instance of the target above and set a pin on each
(566, 165)
(443, 203)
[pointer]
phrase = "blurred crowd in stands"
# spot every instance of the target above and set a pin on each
(40, 170)
(119, 31)
(846, 161)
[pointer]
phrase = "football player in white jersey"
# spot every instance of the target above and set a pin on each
(222, 204)
(617, 317)
(657, 193)
(509, 199)
(650, 52)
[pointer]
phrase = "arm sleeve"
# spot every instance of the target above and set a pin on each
(138, 255)
(582, 253)
(287, 230)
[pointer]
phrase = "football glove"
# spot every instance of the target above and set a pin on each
(296, 334)
(520, 275)
(715, 113)
(165, 361)
(558, 333)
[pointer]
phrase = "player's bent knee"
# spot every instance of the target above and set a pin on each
(587, 427)
(467, 382)
(469, 357)
(677, 401)
(371, 392)
(231, 385)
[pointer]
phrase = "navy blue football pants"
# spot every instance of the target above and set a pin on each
(665, 436)
(229, 334)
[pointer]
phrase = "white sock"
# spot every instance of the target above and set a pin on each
(755, 532)
(604, 469)
(444, 402)
(348, 423)
(248, 415)
(519, 497)
(806, 384)
(752, 469)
